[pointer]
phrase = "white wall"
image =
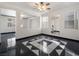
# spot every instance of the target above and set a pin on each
(27, 27)
(4, 24)
(59, 23)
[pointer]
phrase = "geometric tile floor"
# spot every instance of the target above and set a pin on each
(47, 47)
(43, 45)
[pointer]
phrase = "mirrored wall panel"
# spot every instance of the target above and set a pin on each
(71, 21)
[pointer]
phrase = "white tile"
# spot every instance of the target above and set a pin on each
(59, 51)
(29, 47)
(36, 52)
(25, 42)
(62, 46)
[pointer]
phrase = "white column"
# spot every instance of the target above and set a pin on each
(41, 23)
(18, 24)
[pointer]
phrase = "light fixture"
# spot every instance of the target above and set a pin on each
(42, 6)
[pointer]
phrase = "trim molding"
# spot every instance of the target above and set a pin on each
(8, 32)
(61, 37)
(48, 35)
(29, 37)
(0, 43)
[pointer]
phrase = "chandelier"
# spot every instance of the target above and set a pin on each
(42, 6)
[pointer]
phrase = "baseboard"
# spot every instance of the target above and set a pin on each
(48, 35)
(7, 32)
(29, 37)
(62, 37)
(0, 43)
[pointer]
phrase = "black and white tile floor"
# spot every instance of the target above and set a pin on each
(47, 46)
(43, 45)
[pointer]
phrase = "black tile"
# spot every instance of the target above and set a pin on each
(53, 53)
(58, 47)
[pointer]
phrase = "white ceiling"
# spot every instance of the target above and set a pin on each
(28, 8)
